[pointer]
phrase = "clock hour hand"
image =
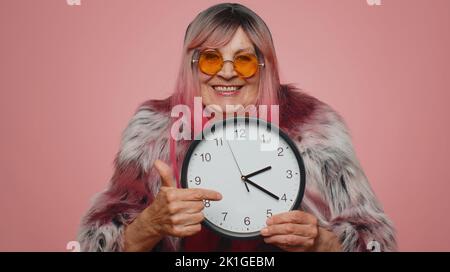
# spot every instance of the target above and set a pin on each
(258, 172)
(259, 187)
(234, 158)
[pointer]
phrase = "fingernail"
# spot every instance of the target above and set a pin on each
(269, 221)
(156, 163)
(219, 196)
(264, 231)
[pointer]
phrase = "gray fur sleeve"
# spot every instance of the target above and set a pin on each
(133, 184)
(338, 191)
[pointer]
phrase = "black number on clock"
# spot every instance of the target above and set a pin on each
(198, 180)
(247, 221)
(219, 141)
(207, 203)
(240, 133)
(289, 174)
(206, 157)
(224, 215)
(280, 151)
(269, 213)
(263, 136)
(284, 197)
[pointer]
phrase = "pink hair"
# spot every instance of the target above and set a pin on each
(214, 27)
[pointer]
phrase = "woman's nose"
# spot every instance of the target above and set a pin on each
(227, 70)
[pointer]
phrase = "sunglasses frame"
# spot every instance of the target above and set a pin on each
(197, 53)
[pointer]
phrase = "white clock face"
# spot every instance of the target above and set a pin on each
(255, 181)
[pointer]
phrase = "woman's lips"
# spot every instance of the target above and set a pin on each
(227, 90)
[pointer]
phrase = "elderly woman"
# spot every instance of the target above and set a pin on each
(142, 209)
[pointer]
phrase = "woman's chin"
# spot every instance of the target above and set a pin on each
(225, 109)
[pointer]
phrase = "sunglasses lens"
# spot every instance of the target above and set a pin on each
(246, 65)
(210, 62)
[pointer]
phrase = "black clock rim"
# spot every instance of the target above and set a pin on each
(289, 141)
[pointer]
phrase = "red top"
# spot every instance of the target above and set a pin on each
(206, 240)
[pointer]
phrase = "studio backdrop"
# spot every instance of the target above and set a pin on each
(72, 73)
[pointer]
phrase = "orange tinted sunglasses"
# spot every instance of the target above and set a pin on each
(211, 62)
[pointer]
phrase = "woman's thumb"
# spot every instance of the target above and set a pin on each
(165, 172)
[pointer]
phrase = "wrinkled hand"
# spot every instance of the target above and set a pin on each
(292, 231)
(175, 212)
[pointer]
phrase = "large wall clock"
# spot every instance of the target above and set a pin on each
(254, 165)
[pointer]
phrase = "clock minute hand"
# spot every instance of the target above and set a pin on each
(258, 172)
(259, 187)
(234, 158)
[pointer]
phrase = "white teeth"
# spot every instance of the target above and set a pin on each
(226, 88)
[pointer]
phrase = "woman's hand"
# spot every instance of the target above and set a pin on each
(174, 212)
(298, 231)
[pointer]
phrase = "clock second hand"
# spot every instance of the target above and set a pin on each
(260, 188)
(234, 158)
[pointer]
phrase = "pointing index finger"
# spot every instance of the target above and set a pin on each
(200, 194)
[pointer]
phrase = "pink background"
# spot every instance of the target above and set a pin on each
(72, 76)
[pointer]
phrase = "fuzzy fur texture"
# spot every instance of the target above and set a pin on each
(337, 190)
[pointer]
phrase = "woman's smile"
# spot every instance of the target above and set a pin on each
(227, 90)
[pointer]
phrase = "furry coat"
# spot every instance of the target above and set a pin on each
(337, 190)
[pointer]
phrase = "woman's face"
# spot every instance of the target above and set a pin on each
(211, 87)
